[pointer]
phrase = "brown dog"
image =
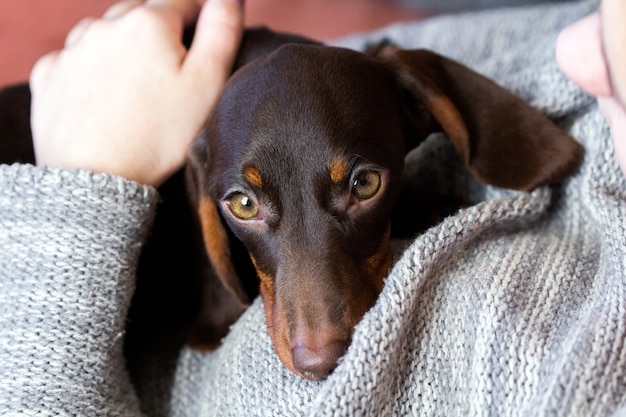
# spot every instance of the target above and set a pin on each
(303, 158)
(302, 161)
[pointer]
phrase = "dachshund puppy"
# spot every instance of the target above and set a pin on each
(302, 160)
(291, 188)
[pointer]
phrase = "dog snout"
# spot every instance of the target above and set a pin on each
(316, 363)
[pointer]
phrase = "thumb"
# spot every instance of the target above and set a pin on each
(579, 55)
(218, 33)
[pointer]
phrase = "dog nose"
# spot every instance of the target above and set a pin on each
(317, 363)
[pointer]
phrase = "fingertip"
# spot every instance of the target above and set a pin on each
(187, 10)
(41, 70)
(580, 56)
(223, 17)
(78, 31)
(613, 13)
(120, 8)
(218, 34)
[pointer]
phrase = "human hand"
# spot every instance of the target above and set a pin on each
(124, 96)
(592, 53)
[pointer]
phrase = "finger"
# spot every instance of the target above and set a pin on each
(185, 9)
(613, 14)
(41, 70)
(77, 32)
(121, 8)
(580, 56)
(216, 41)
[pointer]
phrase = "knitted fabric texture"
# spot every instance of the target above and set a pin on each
(515, 306)
(70, 242)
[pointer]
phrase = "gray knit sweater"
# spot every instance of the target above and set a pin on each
(515, 306)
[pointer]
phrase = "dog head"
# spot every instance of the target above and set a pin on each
(302, 158)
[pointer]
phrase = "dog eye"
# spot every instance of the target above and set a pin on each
(366, 184)
(243, 207)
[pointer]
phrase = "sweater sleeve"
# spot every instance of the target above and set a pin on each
(69, 245)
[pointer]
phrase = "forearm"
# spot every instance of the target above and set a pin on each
(70, 242)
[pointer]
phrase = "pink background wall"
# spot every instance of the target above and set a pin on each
(31, 28)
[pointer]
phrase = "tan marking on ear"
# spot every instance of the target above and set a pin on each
(338, 170)
(253, 176)
(451, 122)
(218, 249)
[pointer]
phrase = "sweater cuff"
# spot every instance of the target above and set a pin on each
(70, 242)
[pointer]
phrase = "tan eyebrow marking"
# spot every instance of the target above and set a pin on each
(253, 176)
(338, 169)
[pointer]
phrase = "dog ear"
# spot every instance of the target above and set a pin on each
(216, 239)
(260, 41)
(501, 139)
